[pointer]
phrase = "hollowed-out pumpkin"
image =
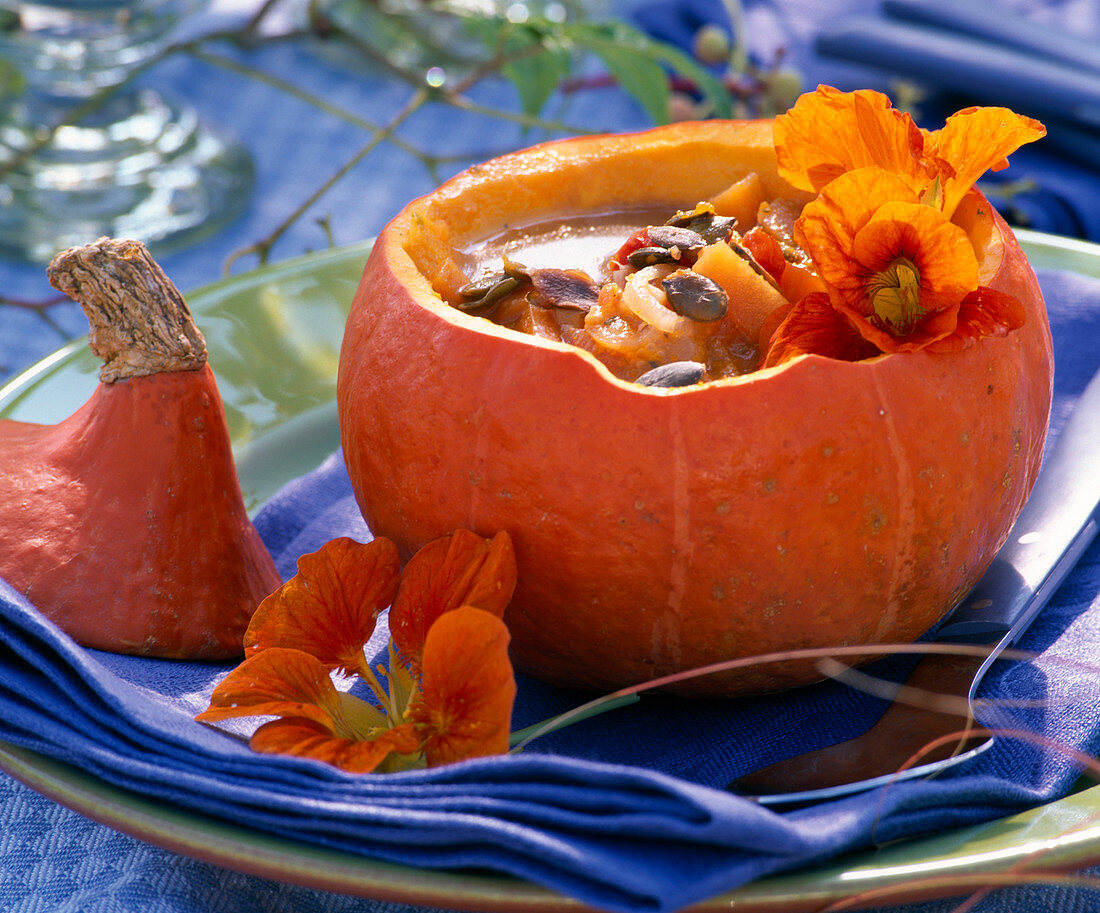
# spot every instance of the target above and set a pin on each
(821, 502)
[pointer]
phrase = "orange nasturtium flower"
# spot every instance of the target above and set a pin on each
(900, 274)
(450, 682)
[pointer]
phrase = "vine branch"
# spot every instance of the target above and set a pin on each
(539, 57)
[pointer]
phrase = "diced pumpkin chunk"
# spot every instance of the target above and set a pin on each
(751, 297)
(741, 200)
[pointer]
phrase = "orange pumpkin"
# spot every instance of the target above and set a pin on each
(817, 503)
(124, 523)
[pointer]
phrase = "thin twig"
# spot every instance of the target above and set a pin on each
(28, 304)
(263, 247)
(250, 36)
(234, 66)
(255, 21)
(515, 117)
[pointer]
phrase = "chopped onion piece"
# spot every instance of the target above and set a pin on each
(647, 301)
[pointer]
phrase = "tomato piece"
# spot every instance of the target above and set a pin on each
(636, 241)
(765, 251)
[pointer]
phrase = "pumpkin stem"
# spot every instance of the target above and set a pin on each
(140, 323)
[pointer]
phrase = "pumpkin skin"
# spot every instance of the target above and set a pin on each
(124, 524)
(817, 503)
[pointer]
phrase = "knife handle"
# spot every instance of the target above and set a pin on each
(1057, 524)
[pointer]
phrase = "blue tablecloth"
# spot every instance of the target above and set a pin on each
(52, 859)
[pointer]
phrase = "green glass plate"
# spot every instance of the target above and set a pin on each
(274, 337)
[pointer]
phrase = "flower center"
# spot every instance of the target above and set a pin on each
(895, 295)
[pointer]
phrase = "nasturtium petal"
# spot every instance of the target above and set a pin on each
(358, 718)
(303, 738)
(984, 312)
(401, 680)
(467, 688)
(896, 267)
(330, 607)
(934, 326)
(940, 251)
(277, 682)
(460, 569)
(827, 133)
(814, 327)
(828, 225)
(880, 234)
(976, 140)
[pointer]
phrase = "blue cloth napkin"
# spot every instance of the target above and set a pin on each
(960, 63)
(1003, 28)
(625, 812)
(962, 52)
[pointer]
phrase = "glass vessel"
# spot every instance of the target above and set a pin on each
(85, 151)
(421, 34)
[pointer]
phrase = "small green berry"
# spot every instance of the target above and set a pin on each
(784, 87)
(711, 44)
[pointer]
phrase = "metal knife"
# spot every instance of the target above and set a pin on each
(1057, 524)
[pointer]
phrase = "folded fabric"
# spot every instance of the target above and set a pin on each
(962, 53)
(625, 812)
(951, 61)
(1054, 186)
(1001, 27)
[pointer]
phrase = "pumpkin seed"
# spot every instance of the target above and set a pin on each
(568, 289)
(710, 226)
(649, 256)
(667, 244)
(695, 296)
(483, 294)
(516, 270)
(674, 374)
(479, 287)
(672, 236)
